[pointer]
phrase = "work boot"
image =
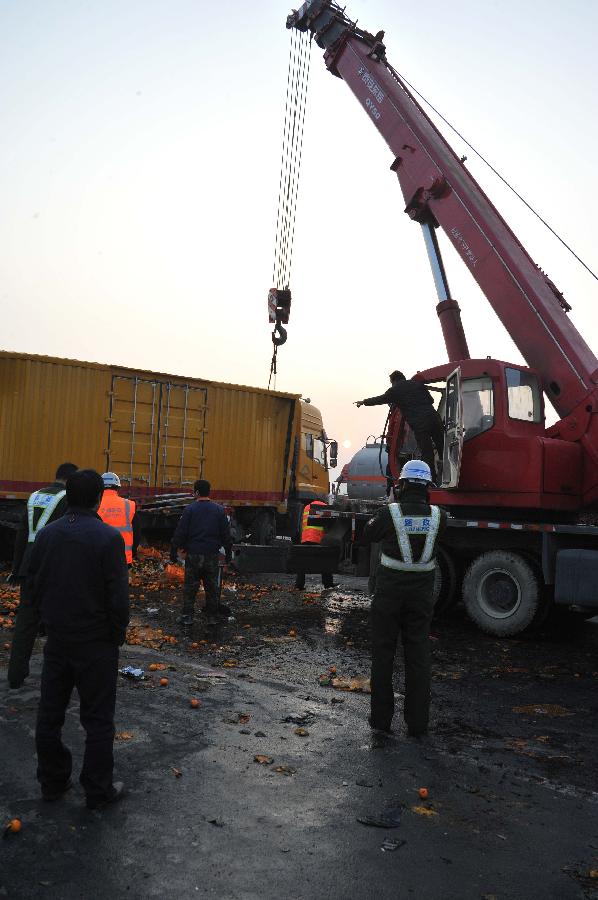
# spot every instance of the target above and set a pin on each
(378, 728)
(51, 794)
(118, 792)
(221, 610)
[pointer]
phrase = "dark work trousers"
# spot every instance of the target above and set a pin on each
(327, 580)
(92, 668)
(27, 624)
(403, 605)
(201, 567)
(429, 434)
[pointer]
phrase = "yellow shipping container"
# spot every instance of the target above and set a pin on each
(159, 433)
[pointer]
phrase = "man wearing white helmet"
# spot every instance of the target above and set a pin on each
(121, 514)
(403, 602)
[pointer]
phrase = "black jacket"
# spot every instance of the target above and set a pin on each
(203, 528)
(78, 579)
(381, 528)
(23, 548)
(413, 399)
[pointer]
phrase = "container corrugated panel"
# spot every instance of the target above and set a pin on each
(158, 432)
(49, 414)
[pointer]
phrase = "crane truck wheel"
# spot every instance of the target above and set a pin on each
(445, 583)
(501, 593)
(263, 528)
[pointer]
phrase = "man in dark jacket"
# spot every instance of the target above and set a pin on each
(78, 580)
(417, 408)
(202, 530)
(43, 506)
(403, 601)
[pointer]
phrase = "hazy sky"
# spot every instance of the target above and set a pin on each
(139, 172)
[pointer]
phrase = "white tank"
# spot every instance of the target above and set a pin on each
(365, 473)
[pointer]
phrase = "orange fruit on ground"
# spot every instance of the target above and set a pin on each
(164, 682)
(194, 702)
(332, 670)
(194, 645)
(14, 825)
(423, 793)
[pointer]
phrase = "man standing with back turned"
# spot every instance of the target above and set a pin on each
(202, 530)
(79, 580)
(403, 600)
(43, 506)
(417, 408)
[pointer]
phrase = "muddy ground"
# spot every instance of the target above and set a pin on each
(257, 792)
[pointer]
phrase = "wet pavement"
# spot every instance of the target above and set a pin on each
(257, 792)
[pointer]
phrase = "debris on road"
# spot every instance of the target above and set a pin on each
(285, 770)
(423, 793)
(424, 811)
(263, 760)
(389, 844)
(301, 732)
(543, 709)
(132, 672)
(123, 736)
(176, 772)
(390, 818)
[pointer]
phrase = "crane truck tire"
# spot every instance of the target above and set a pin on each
(501, 593)
(445, 583)
(263, 528)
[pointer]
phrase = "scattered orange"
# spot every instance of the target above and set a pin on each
(195, 702)
(164, 682)
(332, 670)
(14, 825)
(423, 793)
(292, 633)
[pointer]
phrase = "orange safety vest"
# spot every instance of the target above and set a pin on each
(118, 512)
(311, 534)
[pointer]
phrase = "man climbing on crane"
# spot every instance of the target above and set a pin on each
(417, 408)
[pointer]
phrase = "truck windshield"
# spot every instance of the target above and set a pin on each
(478, 406)
(523, 394)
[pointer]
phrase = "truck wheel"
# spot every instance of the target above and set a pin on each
(263, 528)
(445, 583)
(501, 593)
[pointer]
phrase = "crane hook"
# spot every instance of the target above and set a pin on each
(279, 338)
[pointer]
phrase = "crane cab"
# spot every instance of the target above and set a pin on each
(497, 452)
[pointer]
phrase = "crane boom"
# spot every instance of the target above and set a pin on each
(439, 191)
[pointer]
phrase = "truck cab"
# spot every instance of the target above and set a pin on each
(316, 454)
(497, 453)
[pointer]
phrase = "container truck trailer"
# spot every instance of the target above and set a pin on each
(265, 453)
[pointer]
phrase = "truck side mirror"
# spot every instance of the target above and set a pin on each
(333, 454)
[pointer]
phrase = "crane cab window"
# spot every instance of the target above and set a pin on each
(523, 396)
(478, 406)
(309, 445)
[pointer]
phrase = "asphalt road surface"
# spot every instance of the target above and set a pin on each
(258, 792)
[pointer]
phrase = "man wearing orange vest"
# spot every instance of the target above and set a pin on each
(312, 534)
(119, 513)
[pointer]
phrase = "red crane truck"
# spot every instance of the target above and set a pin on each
(517, 491)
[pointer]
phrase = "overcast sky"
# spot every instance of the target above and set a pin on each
(139, 171)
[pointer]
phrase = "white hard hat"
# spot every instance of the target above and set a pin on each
(416, 470)
(111, 480)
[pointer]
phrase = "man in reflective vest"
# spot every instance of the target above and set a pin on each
(403, 601)
(312, 534)
(119, 513)
(43, 506)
